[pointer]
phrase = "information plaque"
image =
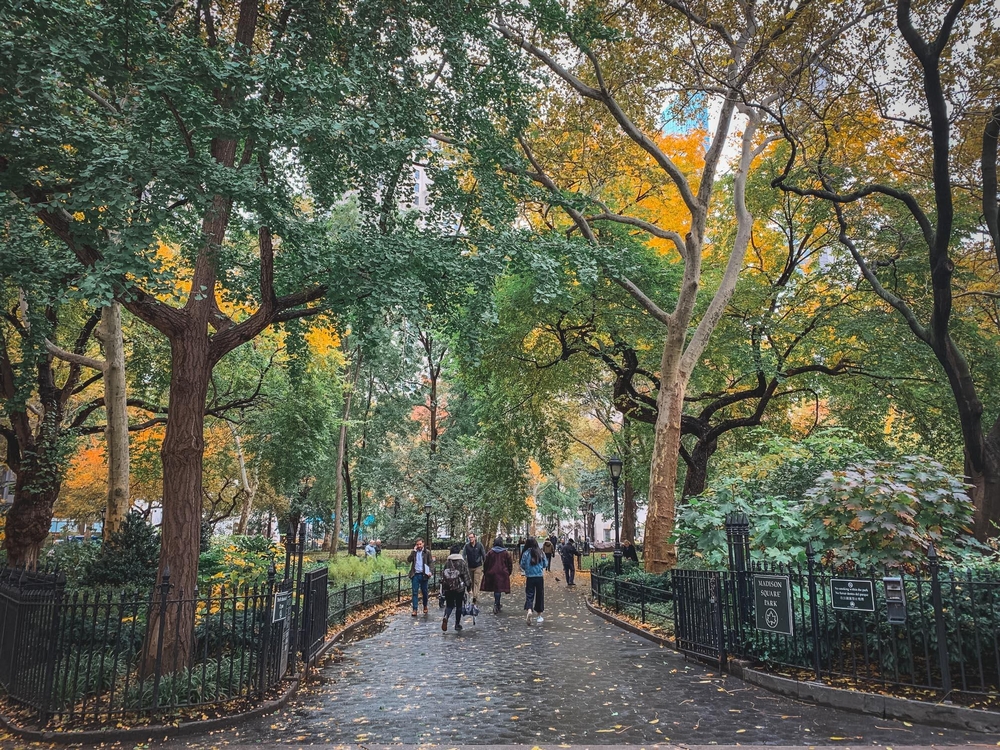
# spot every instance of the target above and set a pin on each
(773, 600)
(851, 594)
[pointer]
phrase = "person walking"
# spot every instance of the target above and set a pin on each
(496, 572)
(421, 569)
(455, 582)
(550, 550)
(569, 555)
(474, 555)
(533, 565)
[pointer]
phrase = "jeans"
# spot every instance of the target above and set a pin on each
(419, 584)
(453, 600)
(570, 572)
(496, 598)
(534, 593)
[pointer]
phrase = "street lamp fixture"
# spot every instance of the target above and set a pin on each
(615, 467)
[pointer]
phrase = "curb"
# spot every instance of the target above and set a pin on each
(149, 732)
(88, 736)
(658, 639)
(882, 706)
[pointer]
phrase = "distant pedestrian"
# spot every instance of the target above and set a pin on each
(421, 569)
(533, 565)
(550, 550)
(496, 572)
(370, 549)
(378, 548)
(455, 582)
(474, 555)
(628, 551)
(569, 555)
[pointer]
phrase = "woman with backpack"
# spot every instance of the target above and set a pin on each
(533, 565)
(496, 572)
(455, 581)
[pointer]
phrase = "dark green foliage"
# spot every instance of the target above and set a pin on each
(128, 558)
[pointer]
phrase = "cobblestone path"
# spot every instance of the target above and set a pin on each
(573, 680)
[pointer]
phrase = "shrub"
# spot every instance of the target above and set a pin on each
(888, 512)
(349, 570)
(239, 561)
(128, 558)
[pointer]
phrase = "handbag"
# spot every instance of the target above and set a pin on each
(470, 609)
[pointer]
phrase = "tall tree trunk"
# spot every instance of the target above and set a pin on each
(341, 451)
(249, 490)
(985, 487)
(116, 406)
(30, 515)
(181, 454)
(659, 554)
(352, 540)
(630, 511)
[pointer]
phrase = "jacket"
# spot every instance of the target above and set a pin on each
(568, 552)
(496, 570)
(474, 554)
(547, 548)
(533, 570)
(412, 560)
(629, 553)
(460, 565)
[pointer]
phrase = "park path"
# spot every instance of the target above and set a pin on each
(574, 680)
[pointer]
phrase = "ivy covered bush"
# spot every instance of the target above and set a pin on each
(129, 558)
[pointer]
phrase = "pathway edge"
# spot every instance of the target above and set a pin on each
(883, 706)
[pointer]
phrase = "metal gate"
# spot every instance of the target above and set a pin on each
(314, 613)
(698, 601)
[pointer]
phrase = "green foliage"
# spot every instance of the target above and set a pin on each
(889, 511)
(239, 561)
(74, 559)
(348, 570)
(128, 558)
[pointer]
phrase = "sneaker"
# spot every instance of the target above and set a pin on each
(527, 616)
(458, 627)
(425, 610)
(414, 613)
(496, 609)
(539, 619)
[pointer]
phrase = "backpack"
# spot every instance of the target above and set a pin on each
(451, 578)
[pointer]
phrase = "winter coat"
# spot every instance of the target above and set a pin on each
(412, 560)
(569, 551)
(629, 553)
(497, 570)
(457, 562)
(533, 570)
(474, 554)
(547, 548)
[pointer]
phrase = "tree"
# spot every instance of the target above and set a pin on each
(717, 53)
(196, 123)
(912, 232)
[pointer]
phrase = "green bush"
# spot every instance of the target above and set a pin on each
(128, 558)
(351, 570)
(888, 512)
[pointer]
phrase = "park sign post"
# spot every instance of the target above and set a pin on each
(773, 603)
(852, 594)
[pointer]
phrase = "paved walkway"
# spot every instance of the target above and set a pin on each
(574, 680)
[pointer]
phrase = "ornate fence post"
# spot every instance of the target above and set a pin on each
(813, 606)
(738, 541)
(942, 633)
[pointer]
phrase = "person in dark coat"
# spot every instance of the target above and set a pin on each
(496, 572)
(569, 554)
(628, 551)
(455, 570)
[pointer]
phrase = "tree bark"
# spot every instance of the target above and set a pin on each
(341, 451)
(630, 511)
(30, 515)
(697, 467)
(249, 490)
(116, 407)
(181, 455)
(352, 540)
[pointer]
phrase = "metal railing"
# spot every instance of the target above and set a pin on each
(81, 657)
(650, 605)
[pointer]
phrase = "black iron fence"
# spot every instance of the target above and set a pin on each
(930, 632)
(87, 658)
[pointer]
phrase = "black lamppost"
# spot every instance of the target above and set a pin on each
(615, 467)
(430, 542)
